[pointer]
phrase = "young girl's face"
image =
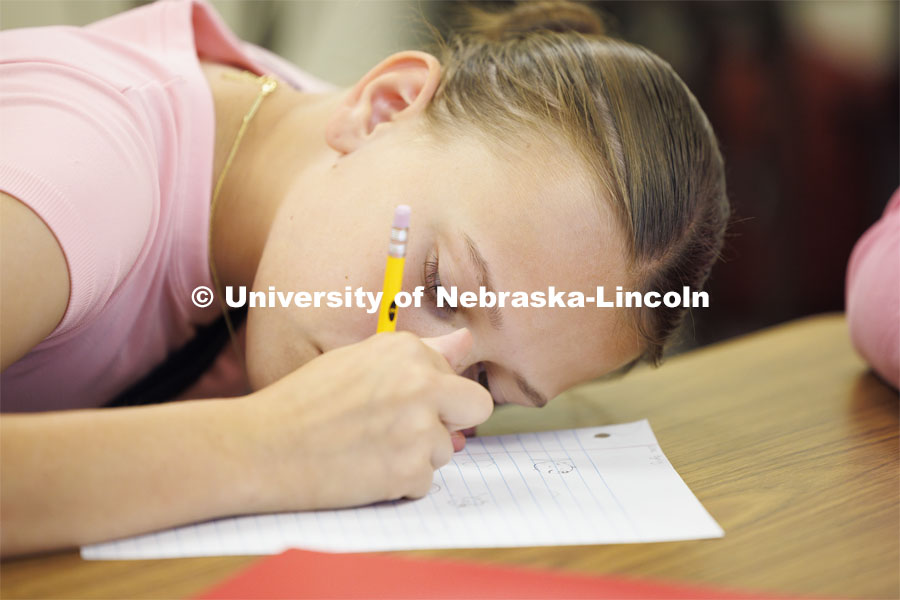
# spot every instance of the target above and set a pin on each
(519, 221)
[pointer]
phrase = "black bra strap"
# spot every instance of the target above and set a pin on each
(182, 368)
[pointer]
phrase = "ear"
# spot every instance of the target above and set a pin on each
(398, 88)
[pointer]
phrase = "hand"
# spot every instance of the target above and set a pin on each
(362, 423)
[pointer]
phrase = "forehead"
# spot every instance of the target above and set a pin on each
(538, 222)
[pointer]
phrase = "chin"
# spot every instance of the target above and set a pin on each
(267, 365)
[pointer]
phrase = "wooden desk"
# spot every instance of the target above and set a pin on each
(783, 435)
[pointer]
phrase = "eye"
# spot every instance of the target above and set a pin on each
(432, 281)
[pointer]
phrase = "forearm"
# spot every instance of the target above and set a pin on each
(362, 423)
(70, 478)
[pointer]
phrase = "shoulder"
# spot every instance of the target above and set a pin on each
(81, 156)
(34, 283)
(873, 294)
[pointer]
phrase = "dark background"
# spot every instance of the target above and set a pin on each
(810, 140)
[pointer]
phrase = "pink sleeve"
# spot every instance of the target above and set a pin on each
(74, 151)
(873, 294)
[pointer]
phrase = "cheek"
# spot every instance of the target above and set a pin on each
(338, 241)
(274, 347)
(279, 339)
(424, 323)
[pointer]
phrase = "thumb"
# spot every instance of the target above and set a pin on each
(454, 347)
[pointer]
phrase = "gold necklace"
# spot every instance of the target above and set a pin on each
(267, 86)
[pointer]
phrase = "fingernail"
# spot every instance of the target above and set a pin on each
(459, 440)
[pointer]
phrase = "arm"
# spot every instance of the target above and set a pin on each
(359, 424)
(70, 478)
(315, 439)
(75, 477)
(34, 280)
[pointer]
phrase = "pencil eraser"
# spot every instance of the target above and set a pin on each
(401, 217)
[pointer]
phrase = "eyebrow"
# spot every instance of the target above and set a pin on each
(536, 397)
(495, 316)
(484, 280)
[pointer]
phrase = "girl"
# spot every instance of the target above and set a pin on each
(153, 153)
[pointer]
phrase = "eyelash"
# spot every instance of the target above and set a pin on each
(432, 280)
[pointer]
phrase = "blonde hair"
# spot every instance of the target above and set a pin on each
(548, 67)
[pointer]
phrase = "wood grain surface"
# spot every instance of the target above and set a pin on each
(784, 435)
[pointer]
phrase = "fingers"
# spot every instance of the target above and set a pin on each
(429, 377)
(454, 347)
(419, 483)
(443, 449)
(463, 403)
(458, 439)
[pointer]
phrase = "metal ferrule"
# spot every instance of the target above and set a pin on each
(397, 249)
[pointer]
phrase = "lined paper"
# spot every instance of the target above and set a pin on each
(592, 485)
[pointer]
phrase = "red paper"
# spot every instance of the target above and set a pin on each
(303, 574)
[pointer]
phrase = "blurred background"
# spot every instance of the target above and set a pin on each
(803, 96)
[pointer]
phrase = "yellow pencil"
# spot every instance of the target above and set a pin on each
(393, 272)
